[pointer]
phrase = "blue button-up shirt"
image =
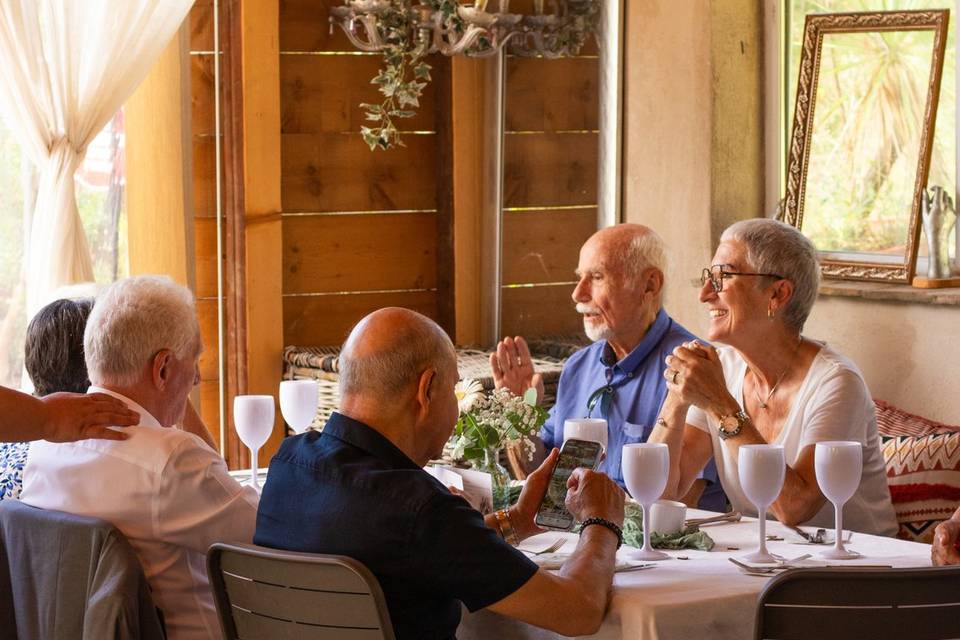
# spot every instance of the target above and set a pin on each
(639, 392)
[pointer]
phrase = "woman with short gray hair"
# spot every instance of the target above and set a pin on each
(769, 383)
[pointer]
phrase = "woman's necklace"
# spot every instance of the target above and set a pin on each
(756, 379)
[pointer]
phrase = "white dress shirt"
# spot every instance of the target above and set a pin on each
(167, 492)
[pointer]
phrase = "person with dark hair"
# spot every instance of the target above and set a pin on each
(54, 362)
(54, 347)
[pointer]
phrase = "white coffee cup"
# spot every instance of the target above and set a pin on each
(667, 516)
(589, 429)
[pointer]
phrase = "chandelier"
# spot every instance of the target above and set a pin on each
(555, 29)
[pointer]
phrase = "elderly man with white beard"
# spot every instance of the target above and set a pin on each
(620, 376)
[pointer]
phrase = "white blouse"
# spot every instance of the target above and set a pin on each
(833, 403)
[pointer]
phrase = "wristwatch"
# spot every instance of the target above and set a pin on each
(731, 425)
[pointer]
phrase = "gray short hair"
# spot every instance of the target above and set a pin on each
(134, 319)
(644, 250)
(415, 347)
(775, 247)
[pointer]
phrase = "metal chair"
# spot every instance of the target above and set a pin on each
(847, 602)
(263, 594)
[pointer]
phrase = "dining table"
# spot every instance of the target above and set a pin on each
(695, 594)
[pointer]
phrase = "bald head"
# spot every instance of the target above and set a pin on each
(388, 350)
(629, 248)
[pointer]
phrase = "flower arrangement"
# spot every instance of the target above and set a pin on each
(489, 422)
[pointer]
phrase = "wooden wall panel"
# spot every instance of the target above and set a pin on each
(338, 172)
(326, 320)
(540, 311)
(322, 94)
(571, 104)
(203, 129)
(210, 358)
(304, 26)
(551, 152)
(365, 252)
(205, 251)
(551, 169)
(201, 26)
(210, 407)
(204, 177)
(202, 122)
(544, 246)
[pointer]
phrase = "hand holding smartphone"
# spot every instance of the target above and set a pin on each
(553, 513)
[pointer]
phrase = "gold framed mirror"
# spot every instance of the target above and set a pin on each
(863, 129)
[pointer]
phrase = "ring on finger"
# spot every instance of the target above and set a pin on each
(675, 375)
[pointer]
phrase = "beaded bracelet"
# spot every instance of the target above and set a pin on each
(603, 522)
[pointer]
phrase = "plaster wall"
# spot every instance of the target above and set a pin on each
(693, 164)
(908, 353)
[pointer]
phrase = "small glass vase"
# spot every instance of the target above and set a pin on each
(499, 478)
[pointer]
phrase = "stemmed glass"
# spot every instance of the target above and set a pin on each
(253, 417)
(839, 465)
(298, 403)
(646, 466)
(590, 429)
(761, 468)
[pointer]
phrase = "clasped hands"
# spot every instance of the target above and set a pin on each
(694, 376)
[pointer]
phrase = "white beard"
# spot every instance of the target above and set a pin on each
(596, 332)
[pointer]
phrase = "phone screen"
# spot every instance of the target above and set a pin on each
(553, 512)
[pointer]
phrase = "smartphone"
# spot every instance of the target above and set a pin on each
(553, 513)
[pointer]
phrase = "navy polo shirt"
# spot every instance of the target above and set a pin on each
(350, 491)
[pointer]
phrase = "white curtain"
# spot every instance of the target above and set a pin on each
(66, 66)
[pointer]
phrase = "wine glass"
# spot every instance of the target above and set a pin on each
(298, 403)
(646, 466)
(253, 417)
(761, 468)
(839, 465)
(589, 429)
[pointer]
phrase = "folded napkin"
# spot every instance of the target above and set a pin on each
(690, 538)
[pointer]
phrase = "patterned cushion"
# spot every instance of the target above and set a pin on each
(924, 478)
(13, 455)
(892, 421)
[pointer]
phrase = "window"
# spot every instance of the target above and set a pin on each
(881, 75)
(100, 203)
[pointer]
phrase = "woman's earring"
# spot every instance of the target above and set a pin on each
(770, 312)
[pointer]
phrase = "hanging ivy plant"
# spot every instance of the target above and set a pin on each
(404, 74)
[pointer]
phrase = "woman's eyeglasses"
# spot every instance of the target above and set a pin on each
(716, 274)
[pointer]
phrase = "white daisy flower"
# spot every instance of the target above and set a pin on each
(468, 391)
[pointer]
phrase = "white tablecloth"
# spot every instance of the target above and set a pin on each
(705, 596)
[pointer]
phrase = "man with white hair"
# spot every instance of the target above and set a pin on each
(620, 376)
(162, 487)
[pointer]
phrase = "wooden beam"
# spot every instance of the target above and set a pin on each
(263, 239)
(467, 89)
(158, 168)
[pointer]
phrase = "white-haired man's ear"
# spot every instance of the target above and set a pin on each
(162, 363)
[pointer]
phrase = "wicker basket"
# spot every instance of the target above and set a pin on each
(322, 364)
